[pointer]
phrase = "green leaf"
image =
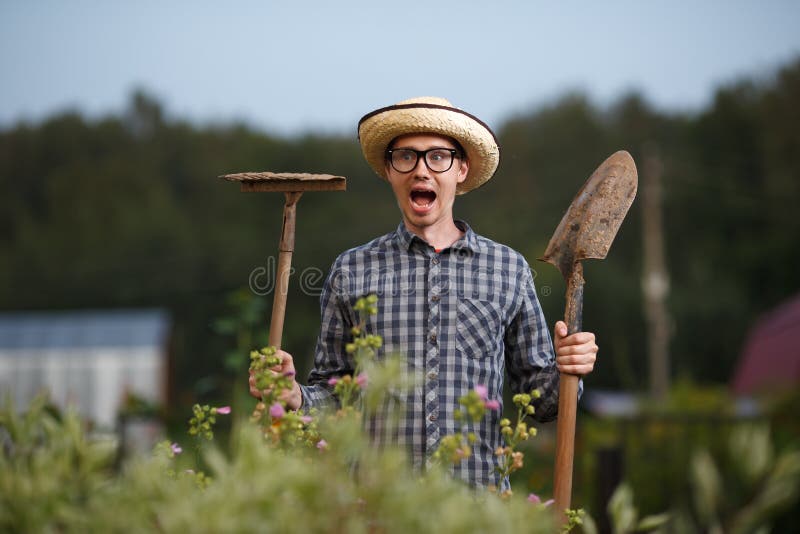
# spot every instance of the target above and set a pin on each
(652, 522)
(621, 509)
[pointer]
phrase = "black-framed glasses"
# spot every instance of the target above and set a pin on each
(437, 159)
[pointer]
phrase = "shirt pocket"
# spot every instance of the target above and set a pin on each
(478, 328)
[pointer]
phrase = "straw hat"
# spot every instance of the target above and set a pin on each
(430, 115)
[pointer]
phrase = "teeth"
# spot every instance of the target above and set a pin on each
(422, 197)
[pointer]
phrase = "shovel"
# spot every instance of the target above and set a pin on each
(586, 231)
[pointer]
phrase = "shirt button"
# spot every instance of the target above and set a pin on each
(435, 261)
(433, 337)
(432, 375)
(435, 298)
(432, 417)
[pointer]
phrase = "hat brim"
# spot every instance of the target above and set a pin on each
(377, 129)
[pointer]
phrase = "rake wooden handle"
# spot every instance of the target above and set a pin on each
(285, 249)
(568, 400)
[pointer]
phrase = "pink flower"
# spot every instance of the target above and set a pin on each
(533, 498)
(361, 380)
(333, 381)
(322, 444)
(492, 404)
(176, 449)
(482, 392)
(306, 419)
(224, 410)
(277, 411)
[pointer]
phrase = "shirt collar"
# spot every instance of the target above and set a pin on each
(469, 241)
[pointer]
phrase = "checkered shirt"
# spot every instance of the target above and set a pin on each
(461, 317)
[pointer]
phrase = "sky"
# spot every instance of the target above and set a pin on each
(292, 67)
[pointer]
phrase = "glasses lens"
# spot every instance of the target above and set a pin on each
(404, 160)
(439, 159)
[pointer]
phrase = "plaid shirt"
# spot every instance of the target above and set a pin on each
(461, 317)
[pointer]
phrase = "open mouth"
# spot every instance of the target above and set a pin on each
(422, 198)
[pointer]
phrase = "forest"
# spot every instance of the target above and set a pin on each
(128, 211)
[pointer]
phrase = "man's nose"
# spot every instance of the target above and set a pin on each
(421, 168)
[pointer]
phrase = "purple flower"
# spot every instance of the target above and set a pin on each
(224, 410)
(482, 392)
(361, 380)
(277, 411)
(175, 448)
(322, 444)
(333, 381)
(492, 404)
(306, 419)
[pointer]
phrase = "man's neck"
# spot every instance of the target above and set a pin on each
(439, 236)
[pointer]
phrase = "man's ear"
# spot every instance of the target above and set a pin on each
(463, 170)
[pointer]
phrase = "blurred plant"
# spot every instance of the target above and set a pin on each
(201, 426)
(201, 429)
(281, 426)
(686, 397)
(574, 518)
(694, 417)
(49, 467)
(168, 451)
(454, 448)
(348, 389)
(53, 477)
(341, 481)
(511, 458)
(765, 484)
(244, 323)
(625, 516)
(290, 428)
(134, 405)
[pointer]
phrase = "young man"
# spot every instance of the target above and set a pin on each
(461, 308)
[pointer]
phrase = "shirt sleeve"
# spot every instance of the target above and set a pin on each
(330, 357)
(530, 357)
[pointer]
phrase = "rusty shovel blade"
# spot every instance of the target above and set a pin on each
(590, 224)
(586, 231)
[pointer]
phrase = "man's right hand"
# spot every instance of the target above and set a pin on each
(293, 397)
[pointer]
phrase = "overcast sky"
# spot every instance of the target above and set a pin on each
(295, 66)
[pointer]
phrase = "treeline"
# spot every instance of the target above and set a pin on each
(127, 211)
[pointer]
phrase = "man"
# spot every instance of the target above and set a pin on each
(461, 308)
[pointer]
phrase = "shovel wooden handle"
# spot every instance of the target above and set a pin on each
(285, 249)
(568, 400)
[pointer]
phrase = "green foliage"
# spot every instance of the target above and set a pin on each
(714, 473)
(280, 476)
(748, 497)
(286, 428)
(244, 323)
(693, 417)
(49, 468)
(625, 517)
(55, 478)
(457, 447)
(515, 435)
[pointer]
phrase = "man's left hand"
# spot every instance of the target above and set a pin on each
(575, 354)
